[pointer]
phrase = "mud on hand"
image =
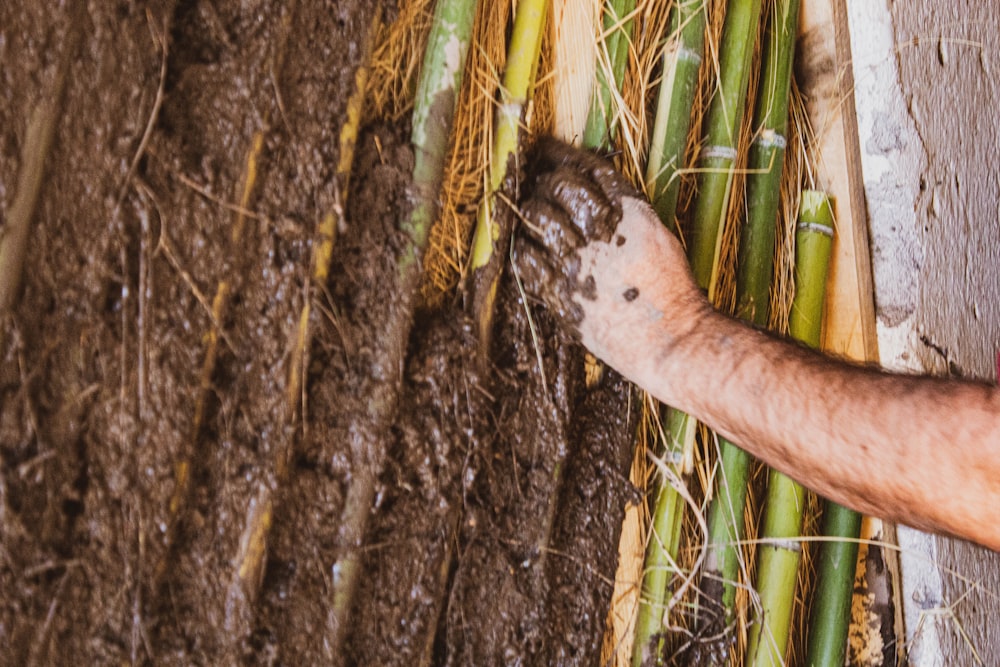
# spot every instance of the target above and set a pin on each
(569, 199)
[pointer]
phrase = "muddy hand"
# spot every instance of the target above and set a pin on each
(592, 248)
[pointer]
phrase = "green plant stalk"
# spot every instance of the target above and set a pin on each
(718, 157)
(602, 120)
(755, 272)
(518, 86)
(664, 539)
(682, 55)
(433, 118)
(765, 166)
(434, 113)
(836, 565)
(781, 550)
(681, 60)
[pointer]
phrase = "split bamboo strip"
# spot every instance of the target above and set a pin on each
(755, 269)
(515, 93)
(781, 550)
(611, 63)
(433, 118)
(220, 304)
(682, 55)
(836, 567)
(574, 24)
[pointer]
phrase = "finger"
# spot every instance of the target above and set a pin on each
(550, 225)
(585, 203)
(612, 183)
(534, 268)
(544, 279)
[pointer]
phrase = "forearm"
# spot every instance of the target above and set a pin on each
(883, 444)
(921, 451)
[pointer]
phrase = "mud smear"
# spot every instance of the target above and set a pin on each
(493, 534)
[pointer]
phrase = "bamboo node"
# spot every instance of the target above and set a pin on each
(771, 139)
(689, 55)
(724, 152)
(819, 228)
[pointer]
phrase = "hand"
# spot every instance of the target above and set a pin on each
(595, 252)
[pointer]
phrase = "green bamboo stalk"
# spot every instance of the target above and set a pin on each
(835, 567)
(518, 86)
(682, 55)
(602, 119)
(716, 165)
(755, 272)
(765, 165)
(433, 118)
(781, 550)
(664, 539)
(681, 59)
(434, 113)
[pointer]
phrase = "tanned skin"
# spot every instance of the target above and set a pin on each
(920, 451)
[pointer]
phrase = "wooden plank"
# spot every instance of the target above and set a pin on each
(826, 81)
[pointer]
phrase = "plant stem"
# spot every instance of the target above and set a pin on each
(518, 86)
(574, 65)
(682, 55)
(754, 276)
(781, 551)
(836, 567)
(434, 114)
(765, 166)
(664, 538)
(718, 157)
(603, 120)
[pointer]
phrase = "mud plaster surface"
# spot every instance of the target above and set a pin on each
(493, 535)
(931, 125)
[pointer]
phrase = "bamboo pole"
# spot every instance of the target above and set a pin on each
(682, 55)
(718, 157)
(836, 566)
(664, 538)
(755, 269)
(433, 117)
(849, 325)
(666, 154)
(515, 93)
(781, 551)
(611, 63)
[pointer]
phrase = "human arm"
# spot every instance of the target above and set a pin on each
(921, 451)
